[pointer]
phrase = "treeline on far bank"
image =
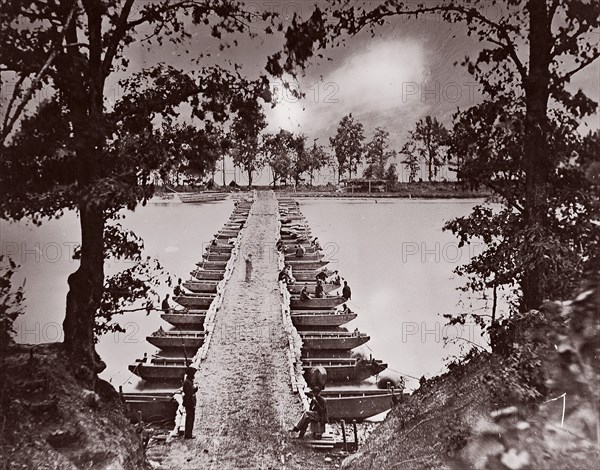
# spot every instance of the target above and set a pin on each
(422, 189)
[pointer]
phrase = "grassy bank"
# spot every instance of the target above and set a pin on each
(50, 422)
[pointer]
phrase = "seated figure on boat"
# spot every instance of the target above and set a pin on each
(165, 304)
(335, 279)
(178, 289)
(316, 244)
(288, 267)
(321, 276)
(319, 291)
(300, 251)
(317, 412)
(283, 276)
(343, 310)
(304, 293)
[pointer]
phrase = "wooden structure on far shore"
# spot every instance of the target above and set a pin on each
(363, 185)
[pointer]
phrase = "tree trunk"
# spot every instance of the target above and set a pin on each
(85, 292)
(493, 326)
(85, 98)
(429, 164)
(536, 156)
(249, 178)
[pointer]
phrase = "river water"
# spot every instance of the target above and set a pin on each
(392, 252)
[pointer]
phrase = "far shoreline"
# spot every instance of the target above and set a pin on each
(417, 190)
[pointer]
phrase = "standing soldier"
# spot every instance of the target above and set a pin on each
(189, 401)
(249, 267)
(346, 292)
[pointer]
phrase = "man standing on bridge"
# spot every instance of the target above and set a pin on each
(346, 292)
(249, 267)
(189, 401)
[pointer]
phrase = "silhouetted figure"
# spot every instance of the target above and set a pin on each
(249, 267)
(319, 291)
(346, 292)
(165, 304)
(189, 401)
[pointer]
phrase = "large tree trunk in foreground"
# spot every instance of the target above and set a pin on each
(85, 292)
(537, 160)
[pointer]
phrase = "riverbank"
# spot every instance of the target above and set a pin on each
(418, 190)
(421, 190)
(486, 413)
(50, 422)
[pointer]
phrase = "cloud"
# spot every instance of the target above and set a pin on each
(381, 79)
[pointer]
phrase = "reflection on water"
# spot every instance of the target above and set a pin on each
(393, 254)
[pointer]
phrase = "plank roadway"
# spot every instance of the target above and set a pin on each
(245, 402)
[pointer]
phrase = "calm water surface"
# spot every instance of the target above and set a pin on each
(398, 263)
(393, 253)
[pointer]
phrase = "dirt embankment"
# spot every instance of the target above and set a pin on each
(484, 415)
(48, 421)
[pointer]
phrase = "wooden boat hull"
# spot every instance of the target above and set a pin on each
(190, 343)
(291, 250)
(182, 320)
(212, 265)
(219, 249)
(315, 304)
(300, 265)
(345, 372)
(207, 287)
(224, 236)
(159, 372)
(290, 237)
(343, 342)
(306, 257)
(321, 319)
(297, 288)
(204, 275)
(219, 257)
(194, 301)
(349, 405)
(153, 407)
(201, 197)
(328, 353)
(227, 234)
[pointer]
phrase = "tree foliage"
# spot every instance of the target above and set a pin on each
(11, 301)
(73, 151)
(427, 144)
(348, 145)
(276, 151)
(317, 158)
(245, 136)
(377, 153)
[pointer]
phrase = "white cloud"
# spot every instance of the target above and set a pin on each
(383, 78)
